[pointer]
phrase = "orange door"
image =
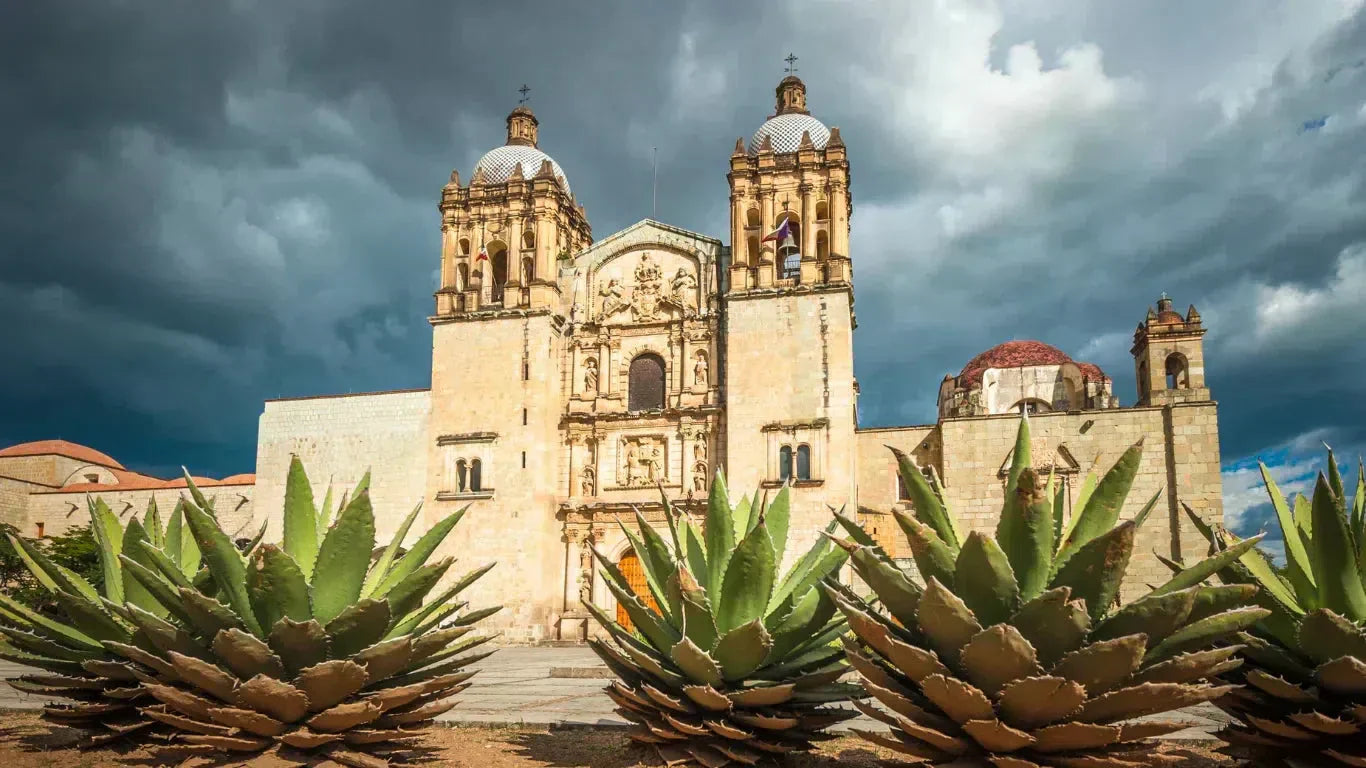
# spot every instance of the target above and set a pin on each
(635, 579)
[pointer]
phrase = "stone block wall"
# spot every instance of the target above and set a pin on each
(60, 511)
(338, 438)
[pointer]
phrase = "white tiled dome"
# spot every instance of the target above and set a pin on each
(499, 162)
(785, 131)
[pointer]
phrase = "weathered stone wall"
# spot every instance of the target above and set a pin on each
(877, 479)
(1180, 457)
(47, 469)
(338, 438)
(483, 375)
(790, 380)
(61, 511)
(14, 495)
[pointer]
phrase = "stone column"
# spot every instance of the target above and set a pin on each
(737, 229)
(766, 250)
(546, 252)
(808, 197)
(514, 254)
(839, 220)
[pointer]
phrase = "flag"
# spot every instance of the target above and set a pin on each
(483, 255)
(783, 234)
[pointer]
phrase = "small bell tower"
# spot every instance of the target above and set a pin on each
(1169, 356)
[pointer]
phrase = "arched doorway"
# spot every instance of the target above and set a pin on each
(635, 578)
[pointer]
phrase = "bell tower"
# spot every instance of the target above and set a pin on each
(1169, 356)
(789, 364)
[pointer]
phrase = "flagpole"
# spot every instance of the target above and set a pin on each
(654, 185)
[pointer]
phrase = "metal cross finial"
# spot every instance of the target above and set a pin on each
(524, 90)
(786, 199)
(791, 64)
(1164, 296)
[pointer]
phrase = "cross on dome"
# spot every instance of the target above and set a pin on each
(791, 64)
(524, 90)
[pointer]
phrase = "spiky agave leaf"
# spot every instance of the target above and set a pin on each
(1011, 652)
(270, 657)
(1304, 671)
(730, 662)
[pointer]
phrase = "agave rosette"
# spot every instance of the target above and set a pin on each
(1010, 651)
(1304, 677)
(308, 644)
(728, 661)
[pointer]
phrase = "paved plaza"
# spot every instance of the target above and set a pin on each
(563, 687)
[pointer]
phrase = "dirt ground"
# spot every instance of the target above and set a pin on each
(27, 742)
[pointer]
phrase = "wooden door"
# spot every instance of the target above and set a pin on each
(635, 578)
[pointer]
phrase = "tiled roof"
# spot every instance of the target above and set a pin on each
(1021, 354)
(61, 448)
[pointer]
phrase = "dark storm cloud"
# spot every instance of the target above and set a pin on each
(208, 205)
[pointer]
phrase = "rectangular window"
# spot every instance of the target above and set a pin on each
(524, 417)
(526, 371)
(901, 492)
(523, 459)
(40, 530)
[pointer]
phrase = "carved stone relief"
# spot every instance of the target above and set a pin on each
(699, 376)
(642, 461)
(590, 376)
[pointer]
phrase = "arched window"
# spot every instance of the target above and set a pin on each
(462, 277)
(1178, 373)
(528, 270)
(752, 218)
(785, 463)
(803, 462)
(822, 245)
(476, 476)
(901, 493)
(464, 246)
(822, 210)
(1031, 405)
(754, 251)
(790, 252)
(645, 385)
(461, 475)
(498, 258)
(528, 240)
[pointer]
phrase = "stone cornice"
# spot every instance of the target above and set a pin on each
(497, 313)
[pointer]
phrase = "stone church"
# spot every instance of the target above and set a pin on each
(571, 377)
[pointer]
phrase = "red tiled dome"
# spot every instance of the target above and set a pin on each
(246, 478)
(1021, 354)
(1170, 316)
(61, 448)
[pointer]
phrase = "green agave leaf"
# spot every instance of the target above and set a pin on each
(190, 556)
(1020, 458)
(381, 568)
(719, 536)
(1025, 531)
(358, 627)
(1196, 574)
(741, 650)
(698, 624)
(1358, 523)
(408, 594)
(1088, 487)
(151, 523)
(1155, 615)
(207, 616)
(325, 511)
(929, 509)
(47, 627)
(197, 496)
(277, 587)
(52, 576)
(255, 541)
(476, 616)
(1296, 555)
(174, 534)
(363, 486)
(133, 589)
(694, 551)
(1104, 504)
(436, 619)
(933, 558)
(1335, 477)
(1334, 561)
(1096, 571)
(745, 515)
(41, 646)
(1059, 510)
(339, 571)
(301, 518)
(1205, 632)
(104, 524)
(656, 563)
(695, 663)
(984, 580)
(898, 594)
(778, 518)
(647, 622)
(804, 622)
(1210, 600)
(413, 621)
(299, 645)
(1324, 636)
(161, 598)
(747, 581)
(416, 556)
(162, 562)
(228, 571)
(1304, 518)
(1147, 508)
(795, 578)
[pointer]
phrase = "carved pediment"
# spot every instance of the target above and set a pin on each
(1044, 458)
(646, 286)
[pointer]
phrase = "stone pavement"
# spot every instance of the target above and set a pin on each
(555, 686)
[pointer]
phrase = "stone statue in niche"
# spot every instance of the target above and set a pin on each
(642, 462)
(645, 296)
(683, 290)
(656, 466)
(586, 569)
(699, 450)
(699, 370)
(590, 376)
(634, 475)
(587, 484)
(699, 477)
(613, 298)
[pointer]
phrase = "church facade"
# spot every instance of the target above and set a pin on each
(572, 378)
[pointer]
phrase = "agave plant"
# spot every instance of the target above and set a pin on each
(730, 661)
(1305, 670)
(308, 644)
(1009, 651)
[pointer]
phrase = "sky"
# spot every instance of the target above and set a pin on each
(206, 205)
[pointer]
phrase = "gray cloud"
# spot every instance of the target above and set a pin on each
(210, 206)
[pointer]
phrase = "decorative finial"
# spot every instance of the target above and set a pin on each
(524, 90)
(1164, 296)
(791, 64)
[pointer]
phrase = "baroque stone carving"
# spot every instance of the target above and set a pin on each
(684, 291)
(699, 376)
(699, 477)
(613, 298)
(587, 485)
(649, 296)
(590, 376)
(645, 295)
(642, 462)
